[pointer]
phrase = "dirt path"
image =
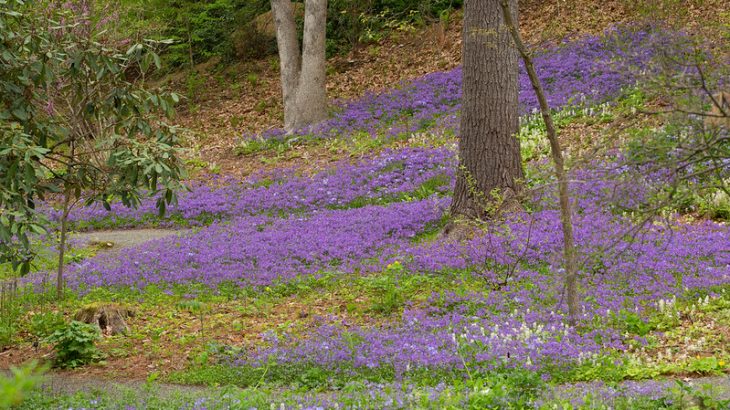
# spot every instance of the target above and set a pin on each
(112, 242)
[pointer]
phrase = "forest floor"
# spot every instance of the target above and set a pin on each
(356, 217)
(242, 99)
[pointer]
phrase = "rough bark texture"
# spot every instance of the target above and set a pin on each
(489, 152)
(303, 75)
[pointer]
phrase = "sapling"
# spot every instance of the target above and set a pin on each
(76, 127)
(557, 154)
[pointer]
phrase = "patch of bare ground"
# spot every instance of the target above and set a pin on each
(165, 338)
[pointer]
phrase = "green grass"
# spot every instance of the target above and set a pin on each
(47, 260)
(500, 391)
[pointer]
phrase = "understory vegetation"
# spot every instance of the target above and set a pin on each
(335, 286)
(243, 29)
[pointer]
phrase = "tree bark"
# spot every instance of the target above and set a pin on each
(489, 152)
(569, 253)
(303, 75)
(62, 244)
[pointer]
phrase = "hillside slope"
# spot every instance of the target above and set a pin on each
(230, 101)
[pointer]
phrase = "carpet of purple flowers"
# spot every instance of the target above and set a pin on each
(374, 216)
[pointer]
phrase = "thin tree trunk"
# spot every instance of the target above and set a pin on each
(489, 152)
(62, 244)
(190, 48)
(303, 75)
(557, 154)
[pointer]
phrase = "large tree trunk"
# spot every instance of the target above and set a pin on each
(303, 75)
(489, 152)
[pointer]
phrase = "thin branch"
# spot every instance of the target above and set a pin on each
(565, 212)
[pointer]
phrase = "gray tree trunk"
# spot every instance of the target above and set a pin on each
(303, 75)
(489, 152)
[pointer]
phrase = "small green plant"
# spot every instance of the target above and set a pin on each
(7, 332)
(313, 378)
(194, 83)
(702, 397)
(45, 324)
(236, 89)
(196, 308)
(517, 389)
(74, 345)
(635, 324)
(14, 388)
(388, 295)
(261, 106)
(237, 121)
(252, 79)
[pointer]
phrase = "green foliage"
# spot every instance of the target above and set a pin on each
(46, 259)
(387, 294)
(45, 324)
(75, 345)
(15, 388)
(691, 150)
(199, 29)
(11, 310)
(196, 308)
(608, 368)
(226, 28)
(635, 324)
(350, 23)
(517, 389)
(702, 398)
(254, 146)
(74, 123)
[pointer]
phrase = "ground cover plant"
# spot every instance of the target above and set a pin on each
(335, 289)
(578, 74)
(496, 392)
(590, 69)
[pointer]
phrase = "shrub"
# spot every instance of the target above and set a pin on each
(228, 29)
(74, 125)
(74, 345)
(45, 324)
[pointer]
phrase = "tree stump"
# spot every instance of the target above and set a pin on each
(109, 318)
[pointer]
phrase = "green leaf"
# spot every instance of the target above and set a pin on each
(161, 208)
(20, 113)
(156, 58)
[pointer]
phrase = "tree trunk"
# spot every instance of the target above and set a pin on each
(569, 251)
(303, 75)
(489, 152)
(62, 244)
